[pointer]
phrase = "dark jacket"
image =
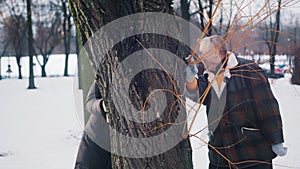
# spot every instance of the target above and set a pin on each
(249, 122)
(94, 149)
(97, 128)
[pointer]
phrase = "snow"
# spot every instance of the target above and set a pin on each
(54, 66)
(39, 128)
(42, 128)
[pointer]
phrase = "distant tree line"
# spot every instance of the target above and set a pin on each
(250, 28)
(52, 31)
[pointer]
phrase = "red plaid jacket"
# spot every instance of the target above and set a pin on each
(250, 120)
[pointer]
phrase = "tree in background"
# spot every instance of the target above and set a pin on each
(201, 13)
(204, 10)
(30, 45)
(48, 32)
(67, 26)
(14, 25)
(89, 16)
(3, 51)
(296, 72)
(3, 48)
(14, 28)
(11, 13)
(272, 30)
(293, 48)
(185, 6)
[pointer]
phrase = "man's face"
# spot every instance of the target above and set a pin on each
(211, 59)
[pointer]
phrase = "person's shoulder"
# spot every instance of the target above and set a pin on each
(243, 60)
(251, 69)
(246, 63)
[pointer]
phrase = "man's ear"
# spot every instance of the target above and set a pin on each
(220, 55)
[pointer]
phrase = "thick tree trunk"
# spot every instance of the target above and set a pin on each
(89, 16)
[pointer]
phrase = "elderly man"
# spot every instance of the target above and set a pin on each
(245, 125)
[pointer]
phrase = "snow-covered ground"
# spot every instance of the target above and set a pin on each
(41, 129)
(54, 66)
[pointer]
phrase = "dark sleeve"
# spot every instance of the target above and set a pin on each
(93, 99)
(268, 114)
(202, 88)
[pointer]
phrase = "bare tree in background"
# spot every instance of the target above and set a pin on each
(30, 45)
(205, 13)
(296, 71)
(15, 27)
(3, 42)
(272, 30)
(48, 33)
(3, 51)
(15, 10)
(67, 26)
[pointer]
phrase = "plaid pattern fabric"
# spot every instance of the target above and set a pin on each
(250, 121)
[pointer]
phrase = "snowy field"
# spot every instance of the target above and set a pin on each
(41, 129)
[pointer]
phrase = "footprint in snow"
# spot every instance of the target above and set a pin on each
(5, 154)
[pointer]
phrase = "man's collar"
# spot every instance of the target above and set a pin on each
(232, 62)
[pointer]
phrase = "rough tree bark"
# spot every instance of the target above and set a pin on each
(89, 16)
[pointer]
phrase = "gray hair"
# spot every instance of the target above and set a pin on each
(211, 43)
